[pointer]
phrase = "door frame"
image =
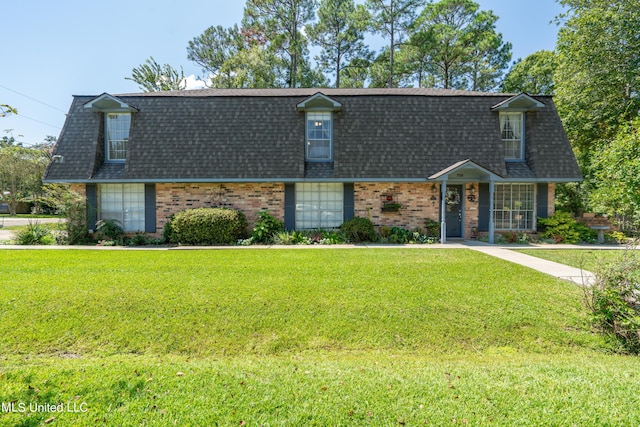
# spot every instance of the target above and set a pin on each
(461, 188)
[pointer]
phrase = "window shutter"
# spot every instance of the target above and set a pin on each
(348, 200)
(150, 208)
(289, 206)
(91, 191)
(543, 200)
(483, 207)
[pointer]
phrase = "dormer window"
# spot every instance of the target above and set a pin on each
(512, 113)
(117, 136)
(319, 136)
(512, 131)
(319, 110)
(117, 124)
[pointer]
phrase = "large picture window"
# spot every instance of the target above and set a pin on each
(319, 137)
(319, 205)
(124, 203)
(514, 206)
(511, 128)
(117, 136)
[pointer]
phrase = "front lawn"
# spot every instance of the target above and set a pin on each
(586, 259)
(300, 337)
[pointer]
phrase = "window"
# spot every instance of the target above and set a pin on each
(514, 206)
(319, 205)
(124, 203)
(319, 136)
(512, 129)
(117, 136)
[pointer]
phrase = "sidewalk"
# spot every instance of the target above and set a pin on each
(560, 271)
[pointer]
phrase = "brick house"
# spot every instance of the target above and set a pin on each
(477, 162)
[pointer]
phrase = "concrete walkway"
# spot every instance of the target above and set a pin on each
(560, 271)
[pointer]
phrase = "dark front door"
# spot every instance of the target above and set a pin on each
(453, 210)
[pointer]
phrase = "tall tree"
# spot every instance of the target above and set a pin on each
(392, 19)
(598, 75)
(280, 22)
(214, 48)
(533, 75)
(21, 170)
(456, 46)
(617, 175)
(339, 33)
(153, 77)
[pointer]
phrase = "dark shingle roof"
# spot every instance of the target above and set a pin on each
(245, 134)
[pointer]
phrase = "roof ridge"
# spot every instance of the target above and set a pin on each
(283, 92)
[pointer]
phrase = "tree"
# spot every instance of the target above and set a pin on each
(533, 75)
(214, 48)
(339, 33)
(456, 46)
(617, 174)
(598, 75)
(392, 18)
(21, 170)
(7, 109)
(280, 22)
(153, 77)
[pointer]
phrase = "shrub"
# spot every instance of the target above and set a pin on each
(140, 239)
(562, 228)
(35, 234)
(265, 228)
(166, 231)
(432, 228)
(109, 229)
(208, 226)
(359, 230)
(614, 300)
(292, 238)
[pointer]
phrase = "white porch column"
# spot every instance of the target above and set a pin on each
(492, 225)
(443, 205)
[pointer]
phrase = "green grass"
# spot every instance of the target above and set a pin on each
(301, 337)
(586, 259)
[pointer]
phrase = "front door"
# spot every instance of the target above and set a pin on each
(453, 210)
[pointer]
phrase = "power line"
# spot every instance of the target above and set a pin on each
(36, 120)
(33, 99)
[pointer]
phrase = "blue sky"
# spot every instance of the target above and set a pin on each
(52, 50)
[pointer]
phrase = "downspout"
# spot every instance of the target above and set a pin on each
(492, 225)
(443, 223)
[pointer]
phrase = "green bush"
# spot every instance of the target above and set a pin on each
(432, 228)
(109, 229)
(359, 230)
(265, 228)
(166, 231)
(208, 226)
(563, 228)
(35, 234)
(614, 300)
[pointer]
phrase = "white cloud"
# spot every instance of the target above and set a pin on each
(193, 82)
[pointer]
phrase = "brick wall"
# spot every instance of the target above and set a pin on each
(551, 201)
(249, 198)
(79, 188)
(414, 197)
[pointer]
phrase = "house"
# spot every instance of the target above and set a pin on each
(477, 162)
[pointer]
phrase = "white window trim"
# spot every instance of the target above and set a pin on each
(125, 205)
(534, 209)
(308, 143)
(522, 137)
(107, 148)
(317, 189)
